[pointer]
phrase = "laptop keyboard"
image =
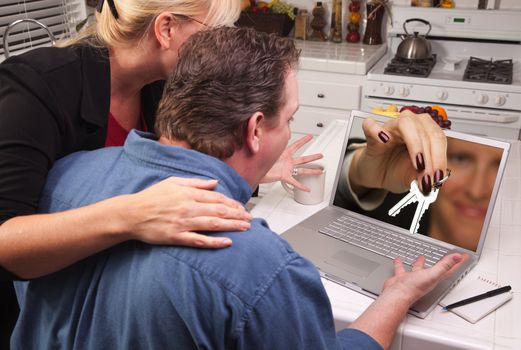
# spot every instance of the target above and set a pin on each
(382, 241)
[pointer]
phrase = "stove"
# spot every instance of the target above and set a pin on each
(408, 67)
(474, 73)
(489, 71)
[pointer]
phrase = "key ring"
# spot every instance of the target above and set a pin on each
(438, 184)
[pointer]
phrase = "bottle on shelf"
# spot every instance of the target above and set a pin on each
(336, 22)
(301, 24)
(318, 23)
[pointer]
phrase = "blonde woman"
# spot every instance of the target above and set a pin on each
(87, 94)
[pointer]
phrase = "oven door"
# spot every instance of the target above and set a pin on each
(478, 121)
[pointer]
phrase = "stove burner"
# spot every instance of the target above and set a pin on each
(489, 71)
(409, 67)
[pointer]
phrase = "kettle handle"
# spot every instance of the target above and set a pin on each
(417, 20)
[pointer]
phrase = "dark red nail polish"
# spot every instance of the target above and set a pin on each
(426, 185)
(383, 136)
(420, 163)
(438, 175)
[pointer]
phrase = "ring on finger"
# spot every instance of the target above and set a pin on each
(294, 172)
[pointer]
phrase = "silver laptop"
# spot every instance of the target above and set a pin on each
(356, 247)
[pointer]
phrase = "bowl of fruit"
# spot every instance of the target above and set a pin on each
(269, 17)
(437, 113)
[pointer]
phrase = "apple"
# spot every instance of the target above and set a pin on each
(353, 37)
(354, 6)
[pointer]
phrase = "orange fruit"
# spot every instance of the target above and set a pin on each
(441, 112)
(355, 17)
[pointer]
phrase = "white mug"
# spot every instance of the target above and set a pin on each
(315, 183)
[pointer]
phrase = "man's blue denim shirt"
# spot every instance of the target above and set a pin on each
(257, 294)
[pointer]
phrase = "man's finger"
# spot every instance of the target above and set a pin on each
(398, 267)
(300, 142)
(308, 158)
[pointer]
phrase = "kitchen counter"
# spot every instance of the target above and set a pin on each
(500, 261)
(346, 58)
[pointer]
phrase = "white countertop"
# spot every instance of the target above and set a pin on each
(347, 58)
(500, 261)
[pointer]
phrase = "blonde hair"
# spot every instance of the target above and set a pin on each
(136, 16)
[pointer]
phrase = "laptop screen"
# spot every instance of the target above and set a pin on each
(462, 211)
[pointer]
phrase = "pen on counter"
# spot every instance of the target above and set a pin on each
(478, 297)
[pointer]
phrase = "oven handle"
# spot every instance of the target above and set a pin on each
(453, 113)
(502, 119)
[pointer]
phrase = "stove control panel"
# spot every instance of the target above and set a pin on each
(442, 95)
(481, 98)
(447, 95)
(500, 100)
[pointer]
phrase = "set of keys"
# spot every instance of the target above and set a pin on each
(424, 201)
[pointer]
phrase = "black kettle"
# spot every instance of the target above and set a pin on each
(414, 47)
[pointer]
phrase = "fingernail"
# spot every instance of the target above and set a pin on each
(426, 185)
(226, 242)
(438, 175)
(456, 258)
(383, 136)
(420, 163)
(246, 226)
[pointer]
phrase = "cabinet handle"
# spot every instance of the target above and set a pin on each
(321, 95)
(320, 125)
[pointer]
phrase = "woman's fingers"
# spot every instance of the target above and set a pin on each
(219, 211)
(424, 141)
(374, 132)
(197, 240)
(170, 209)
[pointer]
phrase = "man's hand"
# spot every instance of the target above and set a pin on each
(283, 169)
(412, 285)
(400, 292)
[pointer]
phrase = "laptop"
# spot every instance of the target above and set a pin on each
(356, 247)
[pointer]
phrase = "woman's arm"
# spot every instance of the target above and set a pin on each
(37, 128)
(166, 213)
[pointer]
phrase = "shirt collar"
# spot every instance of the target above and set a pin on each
(145, 148)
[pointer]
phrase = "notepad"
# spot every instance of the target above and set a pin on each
(475, 311)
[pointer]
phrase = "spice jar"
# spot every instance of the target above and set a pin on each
(301, 25)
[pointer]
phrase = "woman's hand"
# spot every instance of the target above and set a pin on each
(170, 211)
(283, 169)
(399, 151)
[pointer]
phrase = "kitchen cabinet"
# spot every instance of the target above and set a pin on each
(325, 97)
(330, 81)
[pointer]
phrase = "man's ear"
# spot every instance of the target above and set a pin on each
(164, 29)
(254, 132)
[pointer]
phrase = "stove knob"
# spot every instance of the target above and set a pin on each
(500, 100)
(404, 91)
(388, 90)
(482, 99)
(442, 95)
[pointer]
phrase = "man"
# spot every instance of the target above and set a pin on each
(225, 114)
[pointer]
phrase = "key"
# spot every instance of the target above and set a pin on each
(424, 201)
(411, 197)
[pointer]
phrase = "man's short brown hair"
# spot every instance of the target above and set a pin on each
(223, 76)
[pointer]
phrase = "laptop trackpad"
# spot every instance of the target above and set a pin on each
(352, 263)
